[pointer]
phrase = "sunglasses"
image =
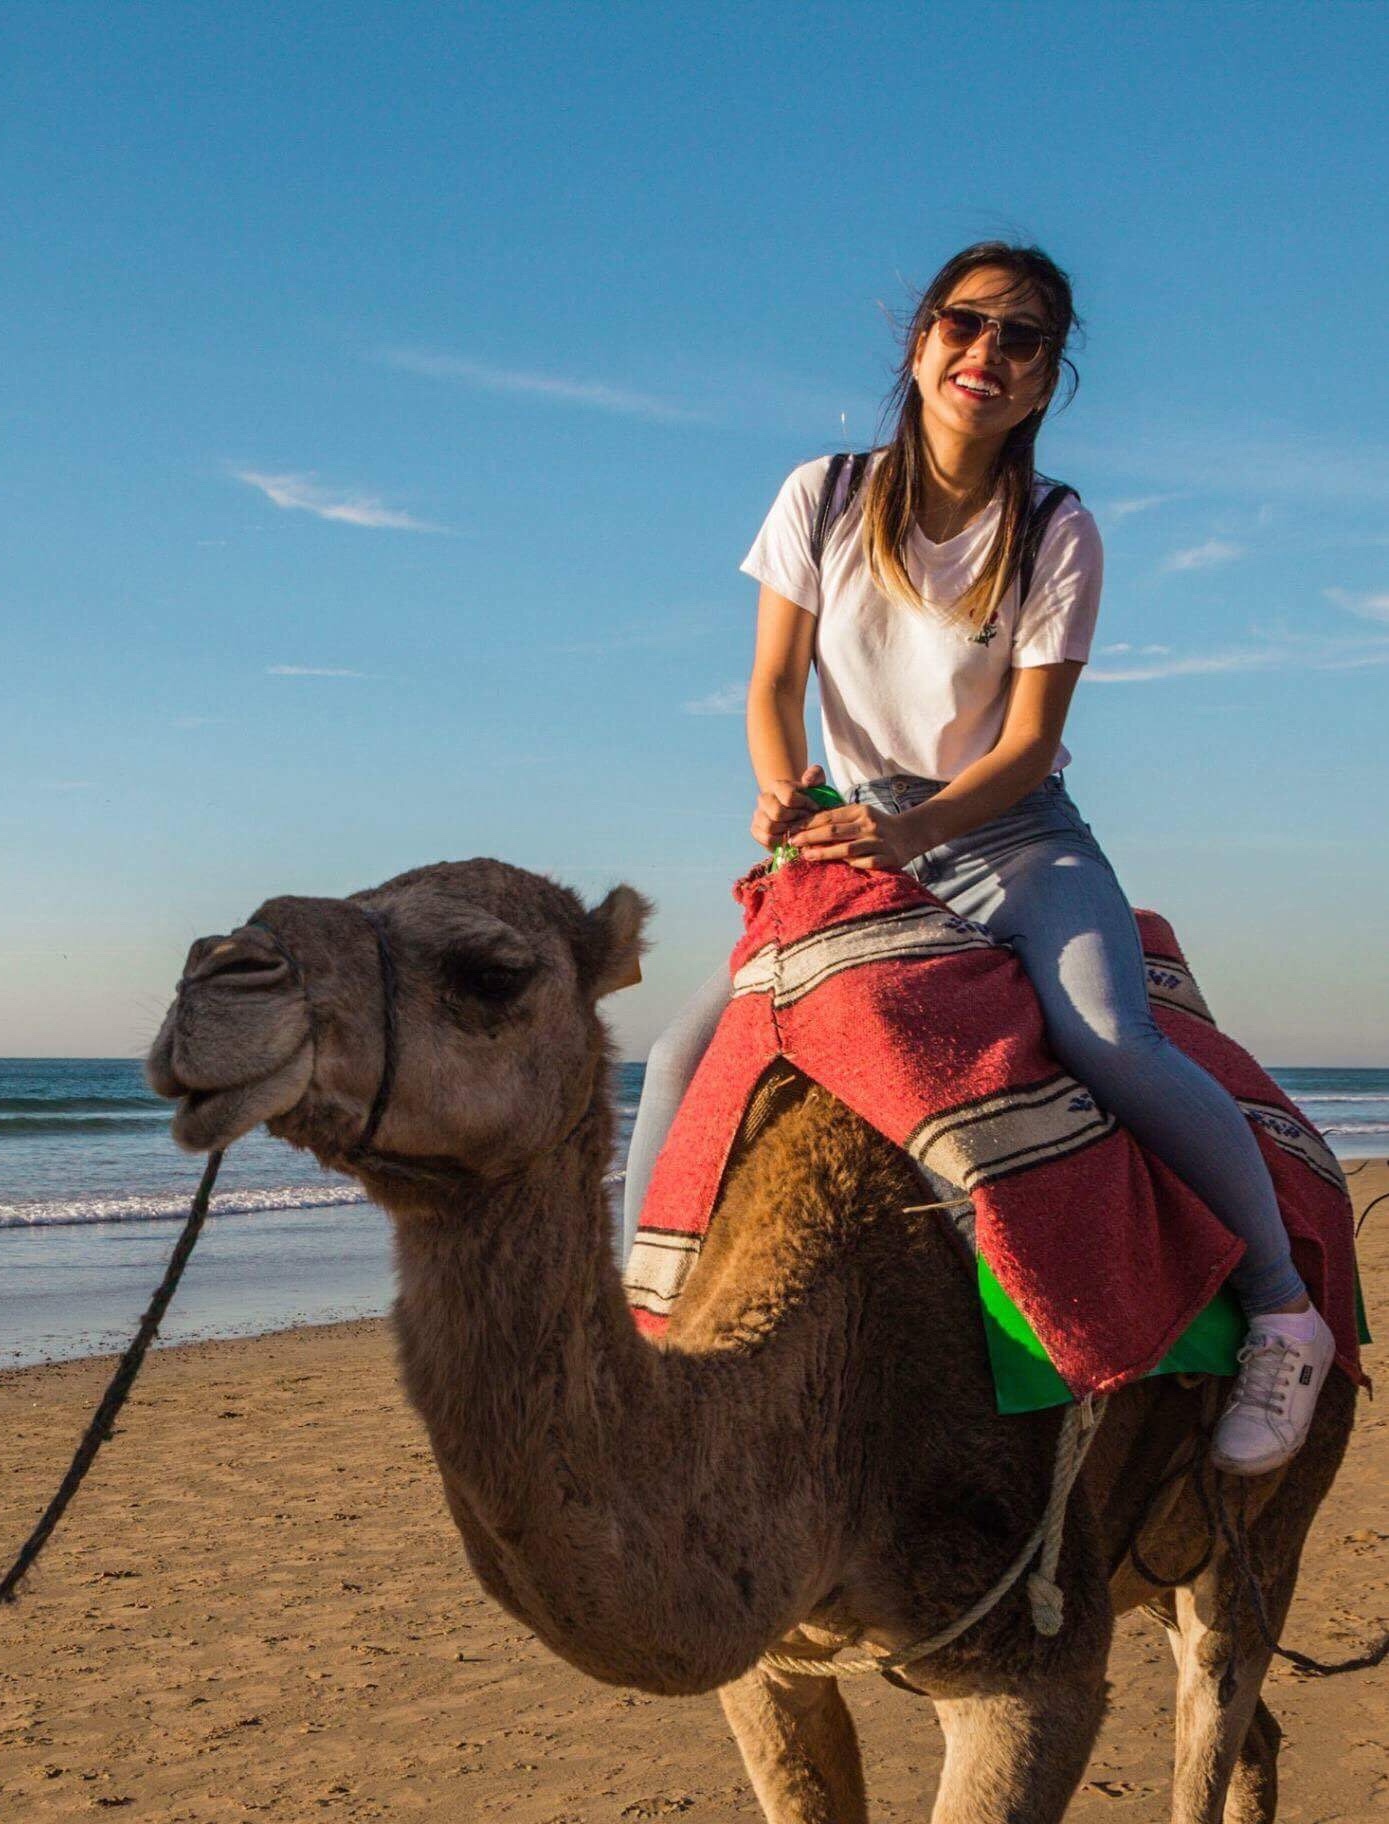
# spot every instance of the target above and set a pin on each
(1018, 341)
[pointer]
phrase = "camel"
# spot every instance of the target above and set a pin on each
(812, 1457)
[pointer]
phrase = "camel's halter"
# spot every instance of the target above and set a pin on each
(390, 1042)
(361, 1152)
(104, 1418)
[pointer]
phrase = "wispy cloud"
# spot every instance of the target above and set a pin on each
(312, 671)
(1302, 654)
(1375, 654)
(1115, 512)
(302, 493)
(1125, 646)
(729, 701)
(1268, 463)
(637, 639)
(1370, 606)
(1204, 557)
(565, 389)
(1174, 665)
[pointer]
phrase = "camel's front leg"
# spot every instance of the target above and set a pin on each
(1016, 1756)
(799, 1746)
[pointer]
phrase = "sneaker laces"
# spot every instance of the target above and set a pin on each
(1263, 1361)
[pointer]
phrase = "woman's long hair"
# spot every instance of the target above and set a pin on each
(897, 488)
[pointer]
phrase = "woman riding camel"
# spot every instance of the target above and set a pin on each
(943, 701)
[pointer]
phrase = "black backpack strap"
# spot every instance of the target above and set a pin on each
(843, 479)
(1038, 521)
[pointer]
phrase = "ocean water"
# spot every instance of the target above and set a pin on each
(92, 1190)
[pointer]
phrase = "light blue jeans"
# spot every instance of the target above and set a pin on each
(1037, 878)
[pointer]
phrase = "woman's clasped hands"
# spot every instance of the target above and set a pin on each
(860, 834)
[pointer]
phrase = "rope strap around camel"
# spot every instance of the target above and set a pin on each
(1077, 1434)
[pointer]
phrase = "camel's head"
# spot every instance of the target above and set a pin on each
(496, 975)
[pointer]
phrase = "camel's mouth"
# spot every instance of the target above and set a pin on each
(235, 1048)
(207, 1120)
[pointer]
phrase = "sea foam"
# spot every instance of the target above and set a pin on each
(161, 1206)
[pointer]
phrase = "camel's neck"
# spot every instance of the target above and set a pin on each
(614, 1496)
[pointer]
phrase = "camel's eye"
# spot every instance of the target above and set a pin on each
(469, 975)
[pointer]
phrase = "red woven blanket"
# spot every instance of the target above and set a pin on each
(928, 1028)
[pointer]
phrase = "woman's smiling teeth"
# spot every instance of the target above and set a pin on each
(978, 386)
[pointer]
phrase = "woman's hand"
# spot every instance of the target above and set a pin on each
(862, 835)
(784, 806)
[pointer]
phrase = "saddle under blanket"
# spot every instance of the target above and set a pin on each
(927, 1027)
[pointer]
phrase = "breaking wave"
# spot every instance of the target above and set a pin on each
(81, 1105)
(83, 1124)
(166, 1207)
(162, 1206)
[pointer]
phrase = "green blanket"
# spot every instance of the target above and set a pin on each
(1025, 1381)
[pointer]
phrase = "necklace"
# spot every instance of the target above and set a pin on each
(964, 508)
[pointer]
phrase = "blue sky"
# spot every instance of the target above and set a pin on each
(391, 392)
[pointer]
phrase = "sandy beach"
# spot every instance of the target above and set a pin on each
(258, 1607)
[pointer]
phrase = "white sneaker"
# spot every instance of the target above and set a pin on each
(1267, 1417)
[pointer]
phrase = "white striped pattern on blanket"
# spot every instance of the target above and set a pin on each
(974, 1143)
(970, 1146)
(980, 1142)
(1297, 1138)
(657, 1269)
(789, 972)
(1171, 984)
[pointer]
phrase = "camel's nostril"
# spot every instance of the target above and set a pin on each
(248, 965)
(235, 962)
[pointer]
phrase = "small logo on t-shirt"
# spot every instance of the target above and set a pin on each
(986, 634)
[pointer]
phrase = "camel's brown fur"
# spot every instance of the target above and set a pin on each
(814, 1455)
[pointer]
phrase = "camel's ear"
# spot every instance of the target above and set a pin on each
(612, 942)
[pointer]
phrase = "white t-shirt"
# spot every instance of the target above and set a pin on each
(913, 691)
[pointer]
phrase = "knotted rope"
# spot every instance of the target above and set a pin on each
(1043, 1544)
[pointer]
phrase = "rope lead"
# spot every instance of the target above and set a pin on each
(104, 1418)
